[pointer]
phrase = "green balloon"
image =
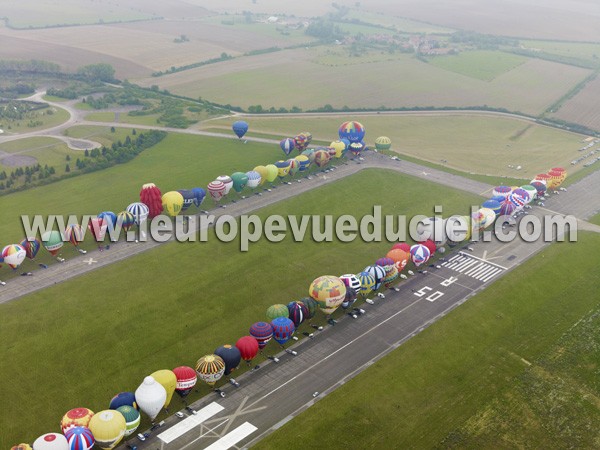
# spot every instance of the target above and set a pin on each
(240, 180)
(276, 311)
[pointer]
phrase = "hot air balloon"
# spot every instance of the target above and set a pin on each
(356, 148)
(294, 166)
(303, 162)
(216, 189)
(227, 181)
(240, 180)
(494, 205)
(283, 168)
(21, 446)
(210, 369)
(150, 397)
(378, 273)
(489, 216)
(501, 191)
(172, 203)
(108, 428)
(351, 281)
(248, 347)
(123, 399)
(125, 220)
(239, 128)
(556, 177)
(151, 196)
(312, 306)
(186, 380)
(254, 179)
(308, 136)
(275, 311)
(139, 211)
(386, 263)
(402, 246)
(298, 312)
(544, 178)
(532, 191)
(353, 131)
(98, 227)
(390, 276)
(400, 258)
(310, 154)
(383, 143)
(52, 241)
(321, 158)
(328, 291)
(339, 147)
(419, 254)
(74, 234)
(78, 417)
(367, 283)
(31, 246)
(109, 217)
(300, 142)
(231, 356)
(283, 329)
(539, 187)
(287, 145)
(262, 332)
(80, 438)
(519, 197)
(51, 441)
(168, 380)
(132, 418)
(14, 255)
(507, 208)
(263, 172)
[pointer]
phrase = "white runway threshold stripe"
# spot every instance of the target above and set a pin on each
(191, 422)
(233, 437)
(473, 267)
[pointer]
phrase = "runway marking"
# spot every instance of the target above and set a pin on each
(210, 431)
(474, 267)
(191, 422)
(90, 261)
(233, 437)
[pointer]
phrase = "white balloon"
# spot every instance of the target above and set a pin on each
(150, 397)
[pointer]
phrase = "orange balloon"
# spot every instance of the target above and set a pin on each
(400, 258)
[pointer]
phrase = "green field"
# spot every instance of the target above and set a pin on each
(402, 24)
(514, 367)
(483, 65)
(585, 51)
(471, 143)
(157, 310)
(45, 150)
(123, 117)
(35, 120)
(595, 219)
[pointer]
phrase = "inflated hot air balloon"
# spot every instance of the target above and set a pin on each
(21, 446)
(294, 166)
(275, 311)
(248, 347)
(132, 418)
(14, 255)
(501, 191)
(240, 128)
(139, 211)
(263, 172)
(283, 168)
(123, 399)
(227, 181)
(168, 380)
(419, 254)
(303, 162)
(51, 441)
(240, 180)
(378, 273)
(109, 217)
(254, 179)
(298, 312)
(31, 246)
(532, 191)
(351, 281)
(216, 189)
(308, 136)
(507, 208)
(52, 241)
(231, 356)
(353, 131)
(402, 246)
(489, 216)
(367, 283)
(98, 227)
(74, 234)
(519, 197)
(150, 397)
(172, 203)
(539, 187)
(310, 154)
(494, 205)
(287, 145)
(125, 220)
(400, 258)
(80, 438)
(356, 148)
(430, 246)
(544, 178)
(557, 176)
(339, 147)
(78, 417)
(300, 142)
(283, 329)
(328, 291)
(108, 428)
(210, 369)
(385, 262)
(262, 332)
(321, 158)
(390, 276)
(383, 143)
(151, 196)
(186, 380)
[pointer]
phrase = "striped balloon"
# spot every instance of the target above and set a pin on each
(378, 273)
(507, 208)
(501, 191)
(283, 329)
(126, 220)
(298, 312)
(254, 179)
(74, 234)
(210, 368)
(80, 438)
(139, 211)
(262, 332)
(367, 283)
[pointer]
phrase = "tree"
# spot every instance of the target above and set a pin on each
(67, 168)
(86, 153)
(68, 158)
(133, 132)
(112, 129)
(97, 72)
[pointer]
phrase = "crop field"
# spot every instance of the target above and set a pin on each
(42, 150)
(308, 8)
(514, 367)
(401, 24)
(146, 313)
(583, 107)
(585, 51)
(401, 82)
(483, 65)
(542, 19)
(467, 142)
